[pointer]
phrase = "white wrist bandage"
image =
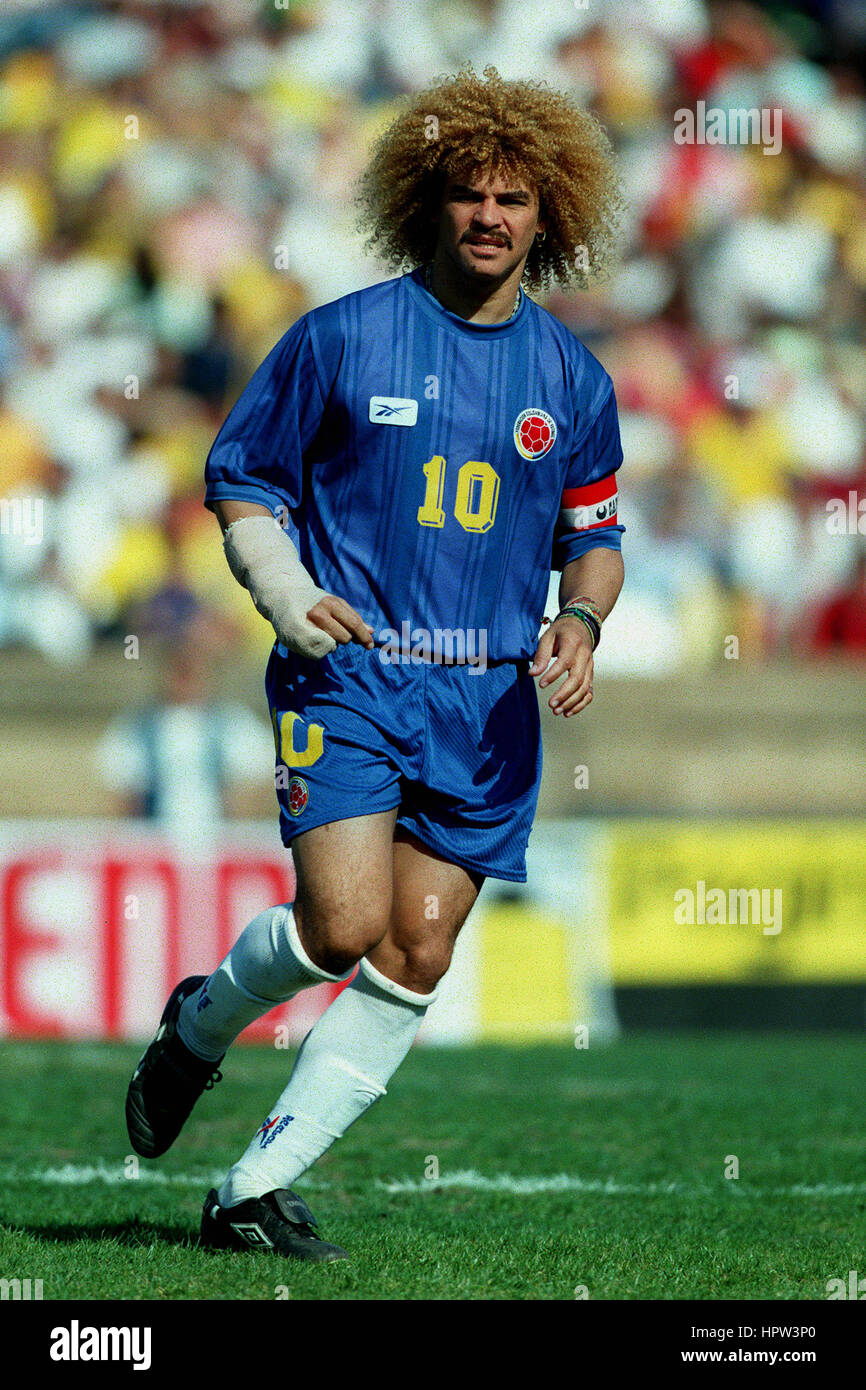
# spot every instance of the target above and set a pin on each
(263, 559)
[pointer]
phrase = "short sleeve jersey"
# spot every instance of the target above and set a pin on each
(431, 470)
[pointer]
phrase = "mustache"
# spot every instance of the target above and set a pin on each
(490, 237)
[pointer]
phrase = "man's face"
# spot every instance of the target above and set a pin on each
(487, 225)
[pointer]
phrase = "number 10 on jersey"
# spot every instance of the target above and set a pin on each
(477, 495)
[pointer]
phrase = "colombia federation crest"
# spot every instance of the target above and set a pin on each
(534, 433)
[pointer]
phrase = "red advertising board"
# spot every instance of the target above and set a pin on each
(99, 921)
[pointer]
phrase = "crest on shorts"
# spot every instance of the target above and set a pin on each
(299, 795)
(534, 433)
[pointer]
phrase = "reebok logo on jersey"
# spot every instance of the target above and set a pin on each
(534, 433)
(393, 410)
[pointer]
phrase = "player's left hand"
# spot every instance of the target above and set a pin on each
(568, 641)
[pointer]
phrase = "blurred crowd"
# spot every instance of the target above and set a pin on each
(176, 185)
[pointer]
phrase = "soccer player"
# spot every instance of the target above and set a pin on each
(394, 486)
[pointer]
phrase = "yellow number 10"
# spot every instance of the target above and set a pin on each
(477, 495)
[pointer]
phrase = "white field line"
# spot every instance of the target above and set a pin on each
(79, 1175)
(564, 1182)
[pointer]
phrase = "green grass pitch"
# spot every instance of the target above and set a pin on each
(560, 1170)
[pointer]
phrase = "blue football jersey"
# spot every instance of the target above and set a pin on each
(431, 471)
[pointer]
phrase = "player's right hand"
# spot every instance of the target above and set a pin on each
(339, 620)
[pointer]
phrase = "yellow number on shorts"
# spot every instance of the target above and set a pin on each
(285, 740)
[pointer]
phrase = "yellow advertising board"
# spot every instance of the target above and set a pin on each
(753, 902)
(526, 979)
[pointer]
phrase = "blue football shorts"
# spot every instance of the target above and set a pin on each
(457, 749)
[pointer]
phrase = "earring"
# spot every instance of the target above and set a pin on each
(539, 236)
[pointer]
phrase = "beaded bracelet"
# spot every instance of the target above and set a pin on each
(589, 620)
(584, 601)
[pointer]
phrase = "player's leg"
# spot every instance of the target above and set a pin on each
(432, 899)
(319, 937)
(269, 964)
(351, 1053)
(325, 723)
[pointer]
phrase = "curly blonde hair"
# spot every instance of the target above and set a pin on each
(462, 127)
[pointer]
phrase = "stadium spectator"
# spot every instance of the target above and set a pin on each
(179, 760)
(839, 626)
(176, 189)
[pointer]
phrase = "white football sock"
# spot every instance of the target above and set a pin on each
(344, 1065)
(266, 966)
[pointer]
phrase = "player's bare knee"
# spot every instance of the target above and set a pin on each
(424, 964)
(335, 939)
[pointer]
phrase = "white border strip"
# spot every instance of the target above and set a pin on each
(80, 1175)
(564, 1182)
